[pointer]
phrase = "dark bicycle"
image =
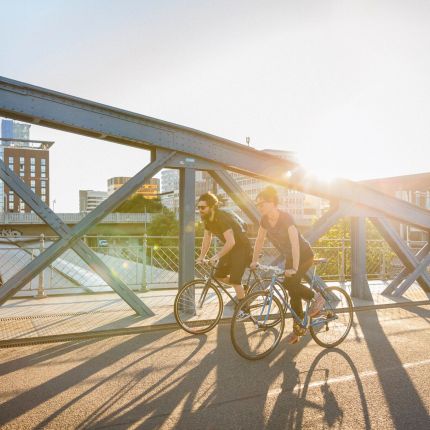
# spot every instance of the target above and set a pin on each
(199, 304)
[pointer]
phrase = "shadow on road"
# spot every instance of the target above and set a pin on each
(407, 410)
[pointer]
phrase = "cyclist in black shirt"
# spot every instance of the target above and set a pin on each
(235, 255)
(281, 230)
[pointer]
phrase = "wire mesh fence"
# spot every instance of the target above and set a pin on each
(153, 262)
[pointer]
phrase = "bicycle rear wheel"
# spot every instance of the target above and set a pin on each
(331, 326)
(255, 336)
(198, 307)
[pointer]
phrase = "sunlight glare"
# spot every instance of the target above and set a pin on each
(323, 169)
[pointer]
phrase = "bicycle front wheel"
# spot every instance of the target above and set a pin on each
(331, 326)
(253, 333)
(198, 307)
(279, 291)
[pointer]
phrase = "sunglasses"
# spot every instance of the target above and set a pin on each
(201, 208)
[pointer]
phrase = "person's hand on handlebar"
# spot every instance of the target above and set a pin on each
(200, 260)
(290, 272)
(253, 265)
(213, 261)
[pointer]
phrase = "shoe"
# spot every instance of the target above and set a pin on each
(292, 338)
(316, 305)
(244, 313)
(242, 316)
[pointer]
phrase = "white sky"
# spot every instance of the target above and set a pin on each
(345, 84)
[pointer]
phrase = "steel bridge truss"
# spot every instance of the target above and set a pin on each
(186, 149)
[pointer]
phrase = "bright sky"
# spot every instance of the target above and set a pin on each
(345, 84)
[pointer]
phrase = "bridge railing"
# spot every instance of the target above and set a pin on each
(11, 218)
(152, 262)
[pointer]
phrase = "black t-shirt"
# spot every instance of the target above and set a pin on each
(278, 235)
(224, 221)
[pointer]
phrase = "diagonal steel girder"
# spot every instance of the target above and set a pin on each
(411, 278)
(71, 237)
(33, 104)
(233, 189)
(408, 258)
(401, 277)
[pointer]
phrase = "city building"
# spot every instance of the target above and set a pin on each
(90, 199)
(170, 184)
(27, 158)
(169, 180)
(149, 190)
(413, 189)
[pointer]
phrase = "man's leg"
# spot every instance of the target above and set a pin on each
(239, 263)
(297, 292)
(223, 269)
(240, 292)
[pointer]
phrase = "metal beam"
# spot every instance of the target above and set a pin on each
(70, 236)
(359, 284)
(407, 257)
(328, 220)
(236, 193)
(52, 109)
(411, 278)
(404, 273)
(187, 196)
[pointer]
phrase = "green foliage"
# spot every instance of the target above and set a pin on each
(163, 237)
(140, 204)
(164, 224)
(335, 245)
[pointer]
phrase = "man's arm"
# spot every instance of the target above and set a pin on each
(295, 250)
(206, 243)
(228, 245)
(259, 241)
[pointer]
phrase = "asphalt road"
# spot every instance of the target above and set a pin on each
(378, 378)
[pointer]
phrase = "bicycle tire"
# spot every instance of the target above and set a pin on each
(334, 326)
(198, 319)
(267, 335)
(263, 284)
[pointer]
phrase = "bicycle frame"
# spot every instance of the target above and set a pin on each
(211, 278)
(305, 323)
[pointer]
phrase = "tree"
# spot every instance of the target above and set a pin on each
(163, 224)
(140, 204)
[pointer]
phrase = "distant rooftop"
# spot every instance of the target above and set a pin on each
(24, 143)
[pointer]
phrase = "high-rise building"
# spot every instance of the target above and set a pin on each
(169, 180)
(90, 199)
(28, 159)
(170, 184)
(149, 190)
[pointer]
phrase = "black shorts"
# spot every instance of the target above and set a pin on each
(234, 264)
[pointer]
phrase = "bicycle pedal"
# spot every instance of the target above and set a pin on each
(299, 330)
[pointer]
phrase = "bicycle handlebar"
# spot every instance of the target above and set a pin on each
(207, 262)
(277, 270)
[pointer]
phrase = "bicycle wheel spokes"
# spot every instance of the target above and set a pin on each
(332, 325)
(252, 331)
(198, 307)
